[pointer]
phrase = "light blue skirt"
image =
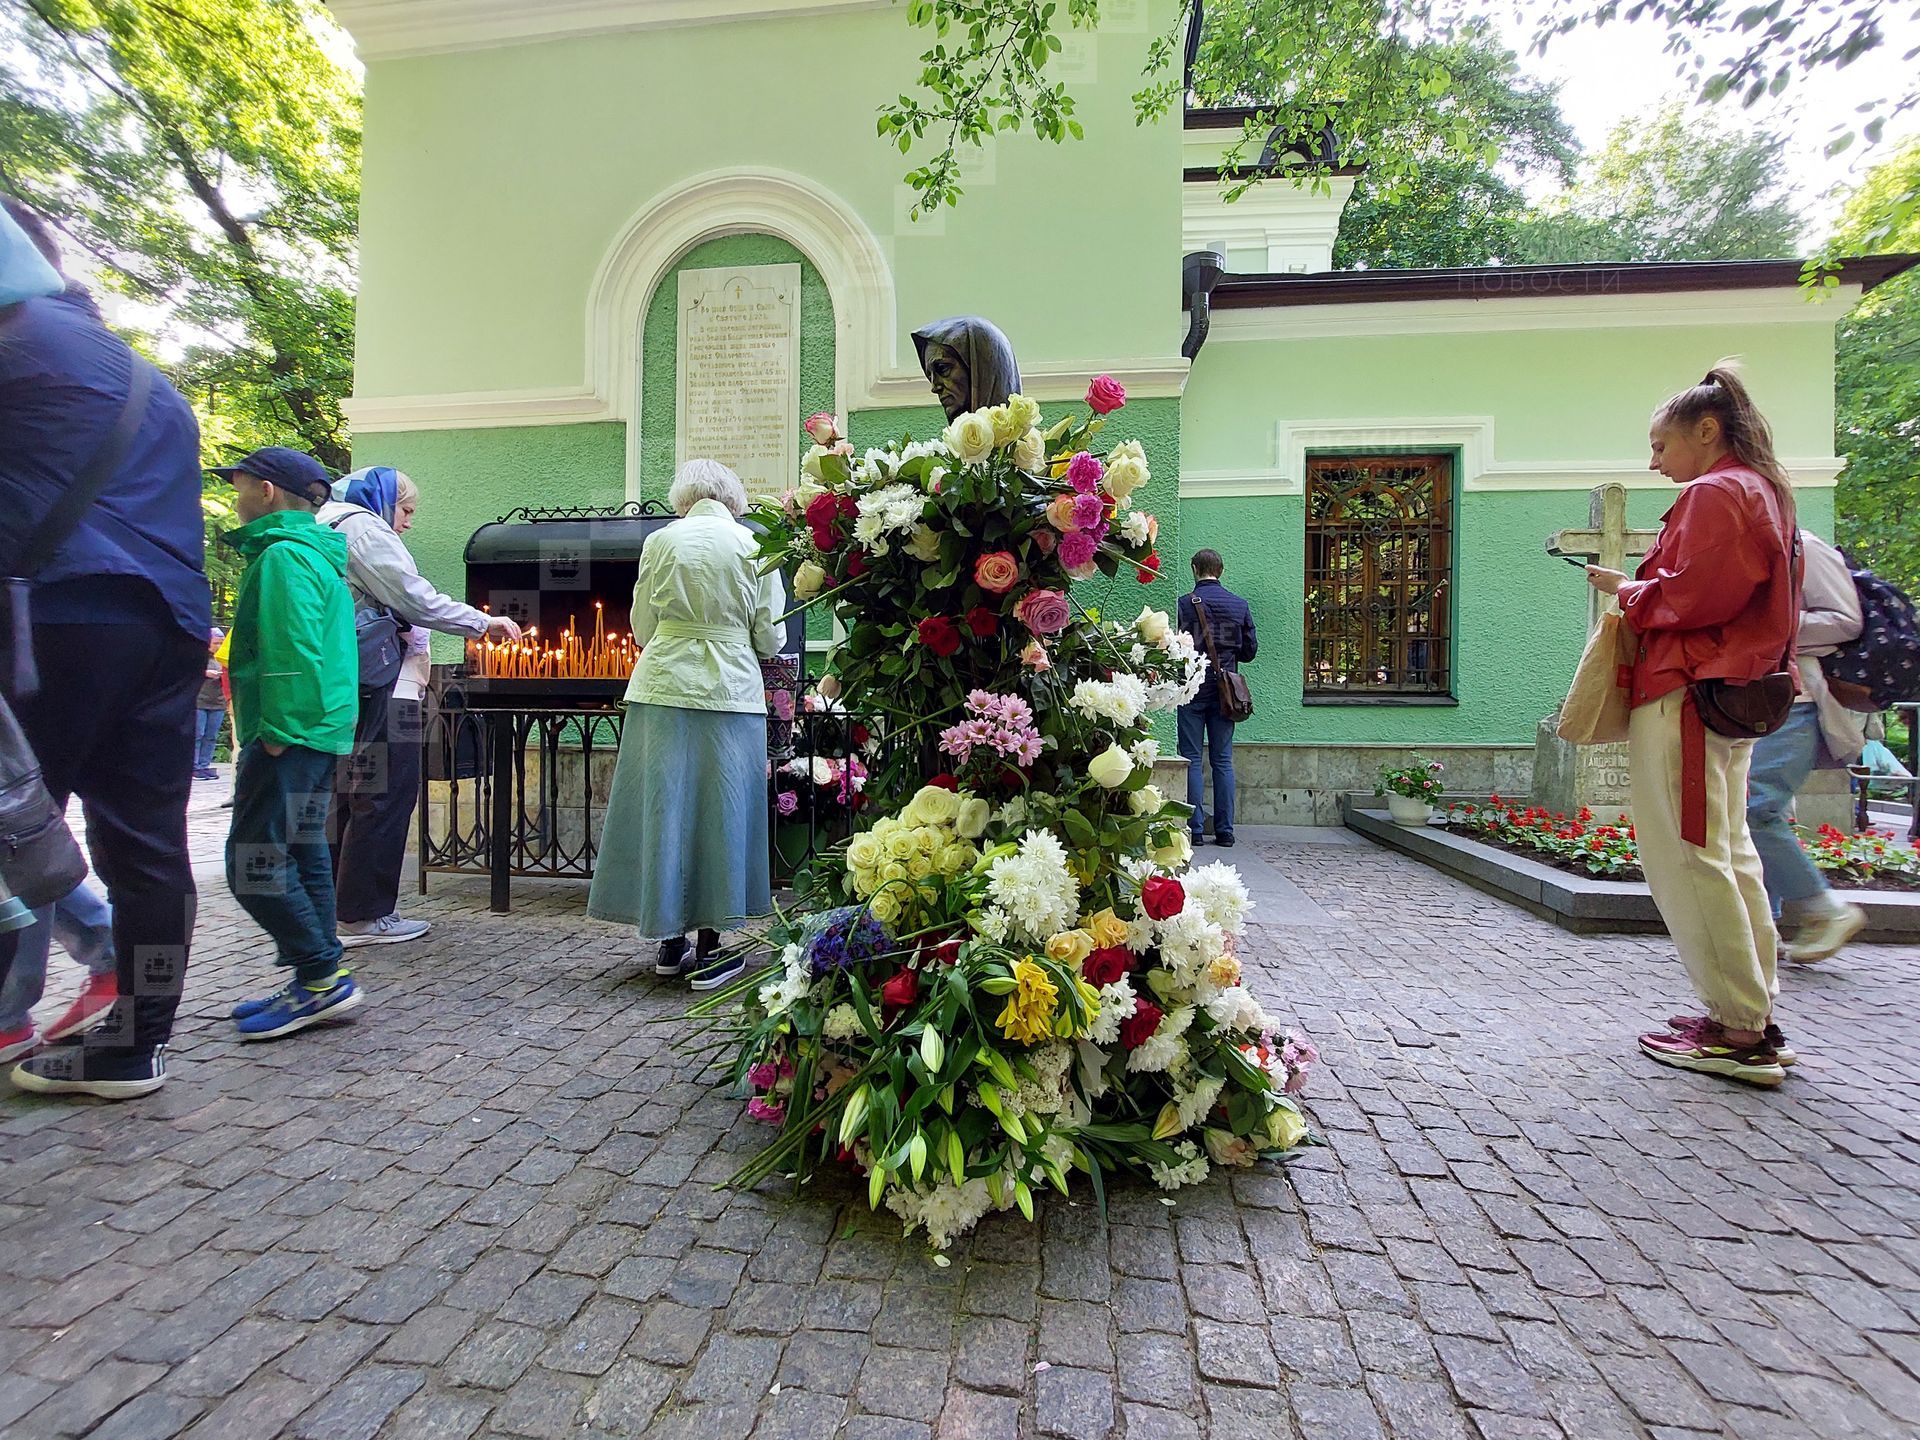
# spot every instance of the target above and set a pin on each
(684, 846)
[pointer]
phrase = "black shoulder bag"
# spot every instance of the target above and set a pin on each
(1746, 710)
(40, 862)
(376, 634)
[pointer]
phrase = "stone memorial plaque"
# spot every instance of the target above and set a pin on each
(738, 395)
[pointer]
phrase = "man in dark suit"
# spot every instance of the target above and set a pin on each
(1230, 622)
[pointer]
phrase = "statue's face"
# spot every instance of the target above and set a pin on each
(947, 372)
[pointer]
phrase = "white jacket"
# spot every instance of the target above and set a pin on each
(1829, 617)
(381, 571)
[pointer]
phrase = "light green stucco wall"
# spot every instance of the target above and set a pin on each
(495, 181)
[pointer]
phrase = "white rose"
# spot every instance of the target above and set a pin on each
(1153, 626)
(970, 437)
(1126, 470)
(1111, 768)
(1147, 800)
(971, 823)
(808, 581)
(924, 545)
(1030, 452)
(1005, 428)
(810, 467)
(1175, 852)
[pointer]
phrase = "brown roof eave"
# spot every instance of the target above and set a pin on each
(1494, 282)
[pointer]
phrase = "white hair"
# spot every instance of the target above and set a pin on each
(405, 492)
(707, 480)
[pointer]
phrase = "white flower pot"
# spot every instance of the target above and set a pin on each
(1407, 811)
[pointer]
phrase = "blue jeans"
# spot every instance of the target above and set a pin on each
(278, 864)
(1202, 721)
(1782, 762)
(82, 923)
(206, 736)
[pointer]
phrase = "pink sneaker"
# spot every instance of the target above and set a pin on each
(89, 1007)
(16, 1043)
(1692, 1024)
(1708, 1051)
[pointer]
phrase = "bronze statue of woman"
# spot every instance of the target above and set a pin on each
(969, 363)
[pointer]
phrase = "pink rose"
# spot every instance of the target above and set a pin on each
(1084, 472)
(1105, 395)
(996, 572)
(1035, 658)
(823, 429)
(1044, 541)
(1044, 612)
(1060, 512)
(1076, 550)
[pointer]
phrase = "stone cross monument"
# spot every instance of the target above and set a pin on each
(1567, 777)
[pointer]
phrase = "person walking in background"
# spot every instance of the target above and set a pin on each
(212, 711)
(294, 667)
(82, 924)
(1715, 599)
(1221, 624)
(116, 619)
(371, 790)
(1820, 732)
(684, 846)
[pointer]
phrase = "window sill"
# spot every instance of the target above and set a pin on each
(1376, 701)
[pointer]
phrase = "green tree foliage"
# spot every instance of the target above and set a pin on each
(205, 154)
(1675, 186)
(1459, 207)
(1877, 383)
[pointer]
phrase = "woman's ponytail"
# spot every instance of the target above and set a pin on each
(1723, 395)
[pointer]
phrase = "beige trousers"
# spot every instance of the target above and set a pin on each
(1712, 897)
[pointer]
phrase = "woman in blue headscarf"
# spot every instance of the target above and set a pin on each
(375, 792)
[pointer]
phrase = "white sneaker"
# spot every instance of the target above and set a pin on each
(387, 930)
(1824, 935)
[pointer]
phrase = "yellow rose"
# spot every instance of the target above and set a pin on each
(1147, 800)
(957, 858)
(808, 581)
(893, 872)
(885, 907)
(1030, 452)
(1070, 947)
(919, 867)
(1174, 851)
(970, 437)
(864, 853)
(1111, 768)
(1284, 1128)
(932, 806)
(1024, 413)
(1108, 930)
(1224, 972)
(923, 545)
(970, 821)
(928, 840)
(1005, 431)
(1153, 626)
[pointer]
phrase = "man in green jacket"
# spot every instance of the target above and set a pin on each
(294, 667)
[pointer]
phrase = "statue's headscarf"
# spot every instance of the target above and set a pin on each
(992, 372)
(376, 488)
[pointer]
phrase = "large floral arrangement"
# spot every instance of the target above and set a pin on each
(1014, 972)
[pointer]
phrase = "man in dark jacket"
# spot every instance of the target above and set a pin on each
(120, 619)
(1230, 623)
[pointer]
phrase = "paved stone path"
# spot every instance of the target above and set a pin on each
(486, 1207)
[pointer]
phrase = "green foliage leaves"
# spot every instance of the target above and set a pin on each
(205, 155)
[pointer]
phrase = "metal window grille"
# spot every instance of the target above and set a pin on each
(1379, 573)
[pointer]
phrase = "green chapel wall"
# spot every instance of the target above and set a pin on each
(494, 183)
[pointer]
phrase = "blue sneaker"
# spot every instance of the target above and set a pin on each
(710, 972)
(297, 1007)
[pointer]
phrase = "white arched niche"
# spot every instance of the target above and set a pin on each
(739, 202)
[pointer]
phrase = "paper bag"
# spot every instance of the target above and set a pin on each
(1595, 710)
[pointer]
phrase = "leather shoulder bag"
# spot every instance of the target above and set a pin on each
(1746, 710)
(1235, 699)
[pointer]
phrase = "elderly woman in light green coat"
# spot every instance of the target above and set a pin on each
(684, 847)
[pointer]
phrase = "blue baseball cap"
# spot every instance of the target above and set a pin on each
(290, 469)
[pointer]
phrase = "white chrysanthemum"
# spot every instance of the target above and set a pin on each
(1190, 942)
(842, 1022)
(1122, 699)
(780, 996)
(918, 449)
(1220, 894)
(1034, 888)
(1224, 1006)
(1140, 934)
(1251, 1018)
(991, 924)
(1192, 1102)
(1144, 752)
(1165, 1049)
(1133, 527)
(1117, 1003)
(947, 1211)
(1043, 1094)
(1191, 1171)
(893, 509)
(1138, 654)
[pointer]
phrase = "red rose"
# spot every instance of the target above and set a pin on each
(982, 621)
(1103, 967)
(1138, 1027)
(945, 953)
(822, 510)
(1105, 395)
(849, 508)
(856, 564)
(1163, 898)
(940, 635)
(901, 991)
(1044, 541)
(944, 781)
(861, 734)
(1149, 568)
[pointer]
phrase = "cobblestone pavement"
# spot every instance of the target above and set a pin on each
(487, 1207)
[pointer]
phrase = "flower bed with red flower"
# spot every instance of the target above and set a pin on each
(1872, 859)
(1012, 972)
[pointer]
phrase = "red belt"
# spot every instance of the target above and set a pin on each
(1693, 774)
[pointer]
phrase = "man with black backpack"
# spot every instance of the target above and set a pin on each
(103, 546)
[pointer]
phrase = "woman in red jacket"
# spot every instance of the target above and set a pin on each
(1714, 599)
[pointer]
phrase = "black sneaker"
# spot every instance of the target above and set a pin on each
(671, 961)
(1224, 841)
(713, 971)
(80, 1069)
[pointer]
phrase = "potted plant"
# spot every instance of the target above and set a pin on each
(1410, 790)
